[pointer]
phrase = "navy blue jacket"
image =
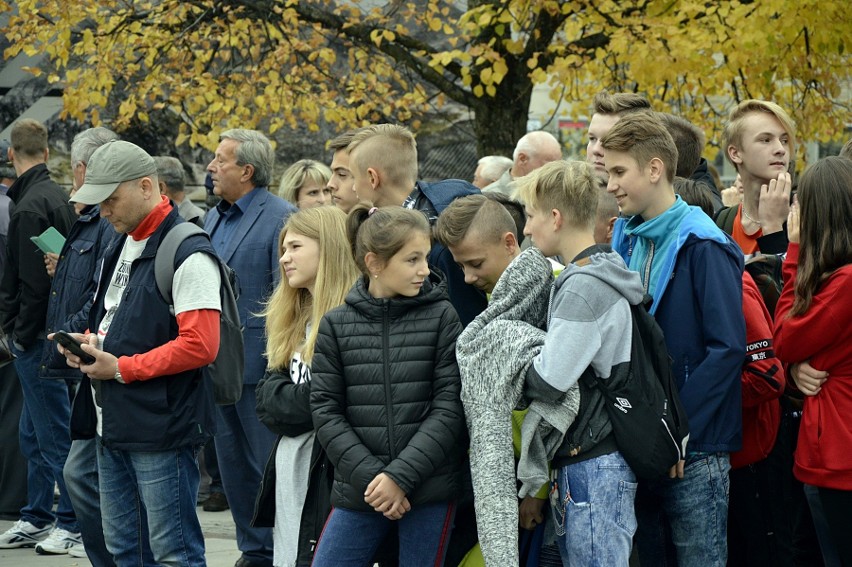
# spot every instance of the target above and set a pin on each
(698, 305)
(73, 287)
(161, 413)
(467, 300)
(252, 252)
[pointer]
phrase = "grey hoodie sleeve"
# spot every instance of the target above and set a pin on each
(573, 339)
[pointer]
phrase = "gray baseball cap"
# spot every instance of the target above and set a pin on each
(111, 165)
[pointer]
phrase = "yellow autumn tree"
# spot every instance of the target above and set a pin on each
(274, 64)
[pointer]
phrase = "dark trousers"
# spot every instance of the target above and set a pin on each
(837, 507)
(760, 528)
(13, 466)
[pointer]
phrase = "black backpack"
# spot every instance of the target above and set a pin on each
(228, 368)
(765, 269)
(648, 421)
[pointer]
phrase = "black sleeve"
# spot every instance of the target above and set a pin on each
(282, 406)
(775, 243)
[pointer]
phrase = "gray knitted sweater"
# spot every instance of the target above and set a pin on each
(494, 353)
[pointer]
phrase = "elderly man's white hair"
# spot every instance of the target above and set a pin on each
(493, 167)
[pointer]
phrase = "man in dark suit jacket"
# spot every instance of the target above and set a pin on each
(244, 229)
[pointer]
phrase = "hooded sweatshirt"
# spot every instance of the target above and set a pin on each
(589, 328)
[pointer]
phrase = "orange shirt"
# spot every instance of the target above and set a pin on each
(748, 242)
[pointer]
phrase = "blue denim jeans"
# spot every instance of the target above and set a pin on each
(684, 521)
(595, 521)
(45, 438)
(351, 538)
(157, 490)
(81, 478)
(243, 444)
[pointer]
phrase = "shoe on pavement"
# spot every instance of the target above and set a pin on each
(23, 534)
(216, 502)
(78, 550)
(58, 542)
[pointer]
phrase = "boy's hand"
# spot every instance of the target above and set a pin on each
(385, 496)
(733, 195)
(530, 512)
(677, 469)
(774, 205)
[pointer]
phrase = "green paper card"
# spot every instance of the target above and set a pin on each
(49, 241)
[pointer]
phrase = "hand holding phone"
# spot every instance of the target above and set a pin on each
(70, 343)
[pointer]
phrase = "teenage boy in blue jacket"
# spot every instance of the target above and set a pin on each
(693, 272)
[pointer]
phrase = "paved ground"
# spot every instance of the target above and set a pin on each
(218, 538)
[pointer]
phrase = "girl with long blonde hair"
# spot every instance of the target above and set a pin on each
(317, 270)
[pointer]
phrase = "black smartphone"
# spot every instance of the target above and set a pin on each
(73, 345)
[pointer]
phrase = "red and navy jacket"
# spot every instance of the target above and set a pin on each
(762, 381)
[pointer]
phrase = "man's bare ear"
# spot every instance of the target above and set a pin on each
(610, 227)
(375, 177)
(656, 169)
(248, 173)
(510, 242)
(558, 218)
(148, 186)
(734, 154)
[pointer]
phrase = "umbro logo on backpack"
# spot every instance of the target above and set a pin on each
(622, 404)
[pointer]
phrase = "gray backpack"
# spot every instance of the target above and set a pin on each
(227, 370)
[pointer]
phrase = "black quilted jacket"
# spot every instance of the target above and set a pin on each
(385, 395)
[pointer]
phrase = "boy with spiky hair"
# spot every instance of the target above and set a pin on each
(693, 272)
(383, 163)
(608, 109)
(589, 329)
(760, 140)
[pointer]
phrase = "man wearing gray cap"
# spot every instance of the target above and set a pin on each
(153, 408)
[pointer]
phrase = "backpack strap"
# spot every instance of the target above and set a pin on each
(164, 260)
(725, 219)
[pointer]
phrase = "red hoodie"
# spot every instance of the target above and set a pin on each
(823, 336)
(762, 381)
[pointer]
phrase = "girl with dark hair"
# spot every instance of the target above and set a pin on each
(385, 398)
(813, 334)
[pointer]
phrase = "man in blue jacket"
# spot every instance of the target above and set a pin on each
(693, 272)
(244, 228)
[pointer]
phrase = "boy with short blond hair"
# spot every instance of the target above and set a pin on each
(693, 272)
(589, 330)
(760, 140)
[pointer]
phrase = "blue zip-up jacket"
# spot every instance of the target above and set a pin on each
(698, 305)
(73, 286)
(162, 413)
(467, 300)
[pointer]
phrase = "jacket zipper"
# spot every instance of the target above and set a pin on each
(386, 365)
(646, 276)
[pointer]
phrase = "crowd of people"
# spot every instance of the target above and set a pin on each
(418, 355)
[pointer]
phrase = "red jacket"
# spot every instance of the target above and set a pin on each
(762, 381)
(823, 336)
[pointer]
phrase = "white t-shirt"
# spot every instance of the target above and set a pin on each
(292, 476)
(195, 286)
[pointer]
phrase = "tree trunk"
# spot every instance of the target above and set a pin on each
(501, 121)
